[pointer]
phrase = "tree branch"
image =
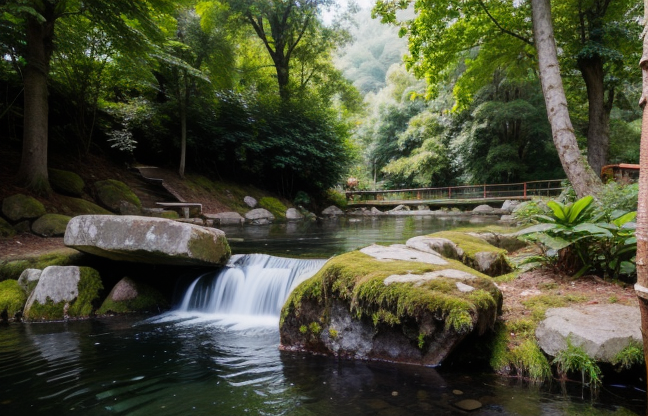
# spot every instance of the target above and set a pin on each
(508, 32)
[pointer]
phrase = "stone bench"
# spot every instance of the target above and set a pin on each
(186, 208)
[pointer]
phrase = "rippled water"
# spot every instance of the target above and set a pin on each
(184, 364)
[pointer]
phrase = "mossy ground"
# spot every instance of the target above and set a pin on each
(6, 230)
(275, 206)
(12, 298)
(11, 269)
(358, 279)
(469, 244)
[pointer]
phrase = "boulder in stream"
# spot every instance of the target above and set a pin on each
(129, 295)
(147, 240)
(389, 303)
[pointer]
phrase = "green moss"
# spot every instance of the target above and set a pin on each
(19, 206)
(204, 247)
(522, 356)
(13, 269)
(508, 277)
(303, 329)
(469, 244)
(82, 306)
(336, 198)
(12, 298)
(6, 230)
(630, 356)
(111, 192)
(539, 304)
(276, 207)
(65, 182)
(357, 279)
(332, 333)
(315, 328)
(77, 206)
(148, 299)
(170, 215)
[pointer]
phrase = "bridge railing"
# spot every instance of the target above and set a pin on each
(522, 190)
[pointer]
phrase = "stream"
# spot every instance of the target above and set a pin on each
(216, 352)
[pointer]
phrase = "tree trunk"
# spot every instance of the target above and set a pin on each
(32, 173)
(283, 77)
(598, 130)
(641, 288)
(581, 176)
(183, 99)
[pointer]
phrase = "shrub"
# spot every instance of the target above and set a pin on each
(276, 207)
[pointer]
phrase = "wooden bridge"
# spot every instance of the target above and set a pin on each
(456, 195)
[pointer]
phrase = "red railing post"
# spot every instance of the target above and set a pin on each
(525, 190)
(484, 191)
(449, 192)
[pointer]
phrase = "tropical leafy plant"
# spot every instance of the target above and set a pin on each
(578, 241)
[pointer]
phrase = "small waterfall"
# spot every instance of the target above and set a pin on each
(250, 285)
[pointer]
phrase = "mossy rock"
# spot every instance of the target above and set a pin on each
(64, 292)
(111, 192)
(78, 206)
(477, 253)
(18, 207)
(388, 310)
(12, 299)
(129, 296)
(66, 182)
(51, 225)
(6, 230)
(276, 207)
(14, 268)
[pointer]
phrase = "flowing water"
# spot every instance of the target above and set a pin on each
(217, 353)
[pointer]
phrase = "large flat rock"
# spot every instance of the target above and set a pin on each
(601, 330)
(147, 240)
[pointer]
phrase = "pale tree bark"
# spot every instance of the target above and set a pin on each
(32, 173)
(641, 288)
(581, 176)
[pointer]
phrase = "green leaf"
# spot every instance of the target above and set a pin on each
(620, 221)
(627, 268)
(555, 243)
(578, 208)
(558, 209)
(538, 228)
(592, 229)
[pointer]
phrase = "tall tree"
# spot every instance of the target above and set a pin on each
(641, 288)
(38, 18)
(282, 26)
(596, 37)
(581, 176)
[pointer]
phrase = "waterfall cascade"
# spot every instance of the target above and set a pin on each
(250, 285)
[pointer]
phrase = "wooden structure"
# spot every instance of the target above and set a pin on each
(456, 195)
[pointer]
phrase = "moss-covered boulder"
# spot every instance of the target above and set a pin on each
(66, 182)
(129, 295)
(29, 279)
(64, 292)
(147, 240)
(275, 206)
(471, 250)
(50, 225)
(367, 307)
(6, 230)
(19, 207)
(12, 269)
(112, 192)
(78, 206)
(12, 299)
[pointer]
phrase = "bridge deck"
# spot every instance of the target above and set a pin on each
(456, 195)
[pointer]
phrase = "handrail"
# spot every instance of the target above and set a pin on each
(517, 190)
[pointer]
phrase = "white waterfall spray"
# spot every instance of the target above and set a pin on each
(250, 285)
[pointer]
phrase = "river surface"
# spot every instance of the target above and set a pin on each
(197, 361)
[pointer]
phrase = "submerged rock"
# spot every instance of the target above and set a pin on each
(332, 211)
(129, 295)
(147, 240)
(63, 292)
(385, 305)
(601, 330)
(259, 216)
